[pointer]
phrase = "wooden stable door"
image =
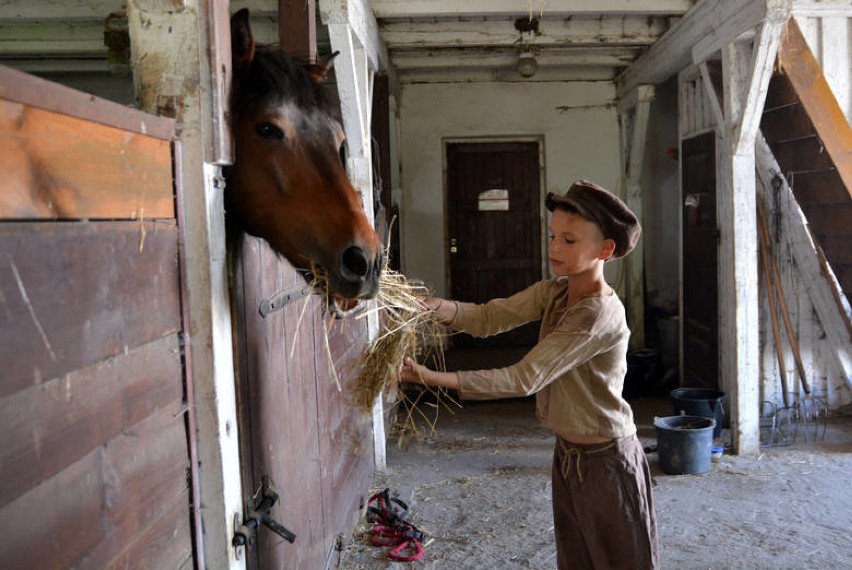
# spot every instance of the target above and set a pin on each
(700, 263)
(94, 449)
(301, 436)
(494, 212)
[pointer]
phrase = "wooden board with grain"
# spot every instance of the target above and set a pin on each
(47, 427)
(803, 70)
(126, 487)
(61, 167)
(75, 294)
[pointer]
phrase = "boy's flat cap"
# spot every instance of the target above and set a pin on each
(604, 208)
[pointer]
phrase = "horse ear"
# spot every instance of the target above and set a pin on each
(242, 42)
(319, 71)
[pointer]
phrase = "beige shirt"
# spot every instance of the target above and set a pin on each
(577, 368)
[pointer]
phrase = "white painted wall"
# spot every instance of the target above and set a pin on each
(578, 123)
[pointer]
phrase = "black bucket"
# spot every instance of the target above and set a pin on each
(641, 369)
(684, 444)
(700, 402)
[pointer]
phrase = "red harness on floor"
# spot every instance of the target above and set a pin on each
(391, 529)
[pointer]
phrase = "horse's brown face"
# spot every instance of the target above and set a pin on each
(288, 184)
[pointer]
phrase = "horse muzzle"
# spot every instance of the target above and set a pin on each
(357, 273)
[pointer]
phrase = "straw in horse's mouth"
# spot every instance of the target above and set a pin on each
(318, 279)
(345, 304)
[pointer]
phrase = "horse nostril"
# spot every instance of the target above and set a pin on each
(355, 262)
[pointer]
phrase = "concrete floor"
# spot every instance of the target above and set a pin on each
(478, 483)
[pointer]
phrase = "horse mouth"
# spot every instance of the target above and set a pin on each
(344, 306)
(343, 298)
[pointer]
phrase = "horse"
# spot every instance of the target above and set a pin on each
(288, 184)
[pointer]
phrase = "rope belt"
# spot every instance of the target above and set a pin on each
(573, 453)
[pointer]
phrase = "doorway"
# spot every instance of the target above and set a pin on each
(700, 261)
(494, 225)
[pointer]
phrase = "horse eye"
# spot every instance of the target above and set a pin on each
(269, 131)
(342, 152)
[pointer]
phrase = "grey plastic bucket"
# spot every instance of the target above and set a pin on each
(700, 402)
(684, 444)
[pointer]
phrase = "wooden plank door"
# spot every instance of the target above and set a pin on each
(297, 429)
(700, 263)
(494, 212)
(94, 445)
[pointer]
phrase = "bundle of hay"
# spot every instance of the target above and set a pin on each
(406, 328)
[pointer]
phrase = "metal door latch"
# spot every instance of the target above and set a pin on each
(282, 298)
(259, 515)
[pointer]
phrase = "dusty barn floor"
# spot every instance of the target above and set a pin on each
(479, 486)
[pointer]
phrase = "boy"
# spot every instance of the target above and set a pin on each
(602, 505)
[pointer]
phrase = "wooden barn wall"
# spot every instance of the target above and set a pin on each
(825, 360)
(830, 40)
(696, 113)
(297, 428)
(94, 454)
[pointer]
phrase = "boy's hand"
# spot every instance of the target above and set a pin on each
(411, 371)
(417, 373)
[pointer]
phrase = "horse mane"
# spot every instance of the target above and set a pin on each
(274, 76)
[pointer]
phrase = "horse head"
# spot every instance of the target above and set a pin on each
(288, 184)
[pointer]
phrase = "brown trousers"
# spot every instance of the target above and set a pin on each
(603, 511)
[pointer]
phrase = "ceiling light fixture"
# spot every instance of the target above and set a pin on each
(527, 65)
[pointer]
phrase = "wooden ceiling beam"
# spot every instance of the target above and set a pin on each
(709, 23)
(822, 8)
(99, 9)
(507, 74)
(573, 31)
(508, 58)
(515, 8)
(80, 39)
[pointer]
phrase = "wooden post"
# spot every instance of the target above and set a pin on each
(171, 57)
(297, 28)
(354, 32)
(746, 72)
(635, 109)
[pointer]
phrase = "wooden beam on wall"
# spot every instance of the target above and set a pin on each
(297, 28)
(739, 25)
(513, 8)
(713, 95)
(746, 71)
(171, 61)
(587, 32)
(822, 8)
(355, 87)
(801, 67)
(821, 292)
(353, 31)
(673, 51)
(358, 15)
(217, 24)
(636, 110)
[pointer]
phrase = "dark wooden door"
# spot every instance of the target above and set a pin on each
(700, 261)
(494, 209)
